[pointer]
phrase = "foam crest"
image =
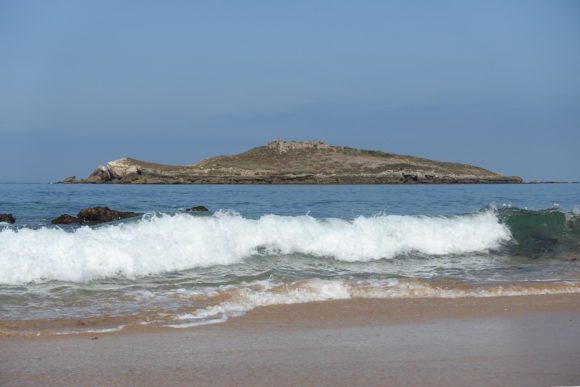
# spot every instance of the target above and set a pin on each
(166, 243)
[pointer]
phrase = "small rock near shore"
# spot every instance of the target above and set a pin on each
(197, 209)
(7, 218)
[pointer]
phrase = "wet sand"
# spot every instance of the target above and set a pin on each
(499, 341)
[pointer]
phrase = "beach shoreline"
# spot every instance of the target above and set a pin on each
(516, 340)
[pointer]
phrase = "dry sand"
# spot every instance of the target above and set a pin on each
(500, 341)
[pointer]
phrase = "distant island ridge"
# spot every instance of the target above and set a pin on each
(296, 162)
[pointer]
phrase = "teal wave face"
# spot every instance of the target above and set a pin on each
(545, 233)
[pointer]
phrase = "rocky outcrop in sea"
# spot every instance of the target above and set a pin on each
(297, 162)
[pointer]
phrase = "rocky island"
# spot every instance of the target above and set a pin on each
(296, 162)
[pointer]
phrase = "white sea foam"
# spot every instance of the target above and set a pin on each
(243, 298)
(101, 330)
(178, 242)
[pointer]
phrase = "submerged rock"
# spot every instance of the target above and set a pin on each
(7, 218)
(65, 219)
(197, 209)
(94, 215)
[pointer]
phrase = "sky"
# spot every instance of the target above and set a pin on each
(494, 83)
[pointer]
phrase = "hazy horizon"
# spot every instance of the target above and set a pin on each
(493, 84)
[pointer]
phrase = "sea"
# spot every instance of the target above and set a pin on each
(263, 245)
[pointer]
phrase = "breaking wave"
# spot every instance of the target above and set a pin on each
(158, 244)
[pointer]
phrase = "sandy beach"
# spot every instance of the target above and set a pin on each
(305, 193)
(497, 341)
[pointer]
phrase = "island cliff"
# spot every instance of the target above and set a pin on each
(296, 162)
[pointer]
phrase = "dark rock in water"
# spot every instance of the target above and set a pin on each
(7, 218)
(65, 219)
(70, 180)
(94, 215)
(97, 215)
(197, 209)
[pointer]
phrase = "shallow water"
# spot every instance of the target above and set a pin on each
(264, 245)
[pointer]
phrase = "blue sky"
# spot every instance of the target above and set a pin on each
(494, 83)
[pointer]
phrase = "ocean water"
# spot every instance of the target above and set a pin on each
(266, 245)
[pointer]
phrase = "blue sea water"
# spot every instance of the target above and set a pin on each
(263, 245)
(37, 204)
